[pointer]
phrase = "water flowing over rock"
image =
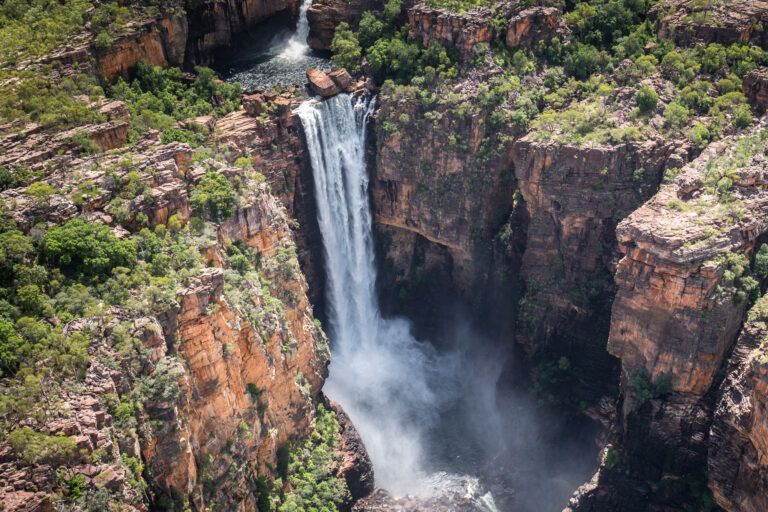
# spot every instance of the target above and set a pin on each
(381, 375)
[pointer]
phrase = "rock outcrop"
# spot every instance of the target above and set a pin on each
(321, 83)
(161, 42)
(433, 168)
(684, 284)
(465, 30)
(218, 24)
(738, 448)
(718, 21)
(325, 15)
(755, 88)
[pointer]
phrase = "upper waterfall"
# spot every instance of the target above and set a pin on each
(297, 45)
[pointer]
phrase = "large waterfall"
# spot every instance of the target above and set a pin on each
(379, 373)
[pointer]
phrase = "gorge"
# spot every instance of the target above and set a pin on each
(439, 255)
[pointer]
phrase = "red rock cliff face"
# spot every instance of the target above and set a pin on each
(435, 202)
(161, 42)
(724, 22)
(738, 450)
(684, 283)
(466, 30)
(575, 196)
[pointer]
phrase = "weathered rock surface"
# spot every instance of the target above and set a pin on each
(218, 24)
(160, 42)
(533, 25)
(719, 21)
(465, 30)
(575, 196)
(738, 448)
(321, 83)
(325, 15)
(431, 174)
(462, 30)
(755, 88)
(676, 315)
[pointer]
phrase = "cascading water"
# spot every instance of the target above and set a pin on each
(297, 45)
(391, 385)
(280, 58)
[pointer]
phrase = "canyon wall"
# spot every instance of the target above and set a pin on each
(684, 284)
(232, 363)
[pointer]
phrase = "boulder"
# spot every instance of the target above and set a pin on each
(342, 79)
(321, 83)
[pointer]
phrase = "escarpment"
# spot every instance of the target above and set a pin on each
(428, 184)
(575, 196)
(205, 363)
(685, 282)
(719, 21)
(738, 473)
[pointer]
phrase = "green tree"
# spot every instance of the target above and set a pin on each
(41, 192)
(646, 99)
(214, 197)
(676, 115)
(87, 247)
(346, 48)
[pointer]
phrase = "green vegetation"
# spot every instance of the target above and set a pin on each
(158, 98)
(643, 388)
(307, 482)
(214, 197)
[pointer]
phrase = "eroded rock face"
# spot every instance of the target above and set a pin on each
(218, 24)
(533, 25)
(245, 386)
(434, 200)
(325, 15)
(677, 313)
(720, 21)
(755, 88)
(738, 448)
(462, 30)
(160, 42)
(465, 30)
(269, 132)
(575, 196)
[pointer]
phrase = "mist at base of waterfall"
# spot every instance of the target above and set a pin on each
(430, 415)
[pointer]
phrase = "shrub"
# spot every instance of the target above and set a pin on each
(699, 134)
(646, 99)
(392, 10)
(87, 247)
(41, 192)
(103, 42)
(676, 115)
(346, 48)
(214, 197)
(742, 116)
(84, 144)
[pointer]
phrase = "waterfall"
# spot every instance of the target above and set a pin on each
(380, 374)
(297, 46)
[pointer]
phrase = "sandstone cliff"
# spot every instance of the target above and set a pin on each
(718, 21)
(684, 284)
(738, 469)
(231, 362)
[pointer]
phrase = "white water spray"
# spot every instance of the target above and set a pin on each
(379, 373)
(297, 46)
